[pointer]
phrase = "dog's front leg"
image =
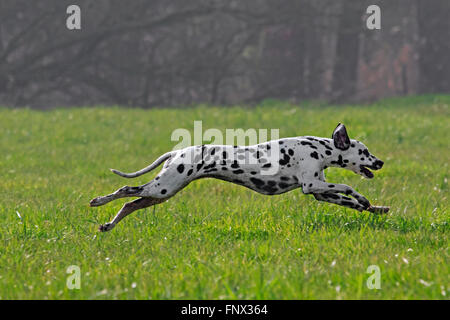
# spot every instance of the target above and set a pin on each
(320, 187)
(339, 200)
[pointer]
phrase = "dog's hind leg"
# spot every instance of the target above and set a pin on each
(128, 208)
(121, 193)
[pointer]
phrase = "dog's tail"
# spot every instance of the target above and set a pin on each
(155, 164)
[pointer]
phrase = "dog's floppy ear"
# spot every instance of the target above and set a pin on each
(340, 137)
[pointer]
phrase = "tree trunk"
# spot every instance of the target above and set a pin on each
(347, 50)
(434, 48)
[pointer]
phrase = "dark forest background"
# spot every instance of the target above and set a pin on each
(179, 52)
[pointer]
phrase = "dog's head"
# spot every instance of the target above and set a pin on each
(353, 154)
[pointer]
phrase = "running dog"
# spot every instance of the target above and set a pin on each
(270, 168)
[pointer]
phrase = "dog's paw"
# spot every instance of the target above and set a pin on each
(378, 209)
(364, 202)
(105, 227)
(94, 202)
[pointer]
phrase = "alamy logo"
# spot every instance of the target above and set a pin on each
(373, 21)
(374, 281)
(73, 22)
(74, 280)
(239, 146)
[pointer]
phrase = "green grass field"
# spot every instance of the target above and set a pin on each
(216, 240)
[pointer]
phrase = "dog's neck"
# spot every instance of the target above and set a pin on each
(335, 159)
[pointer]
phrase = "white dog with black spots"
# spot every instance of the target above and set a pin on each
(270, 168)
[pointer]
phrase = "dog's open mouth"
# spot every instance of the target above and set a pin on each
(366, 172)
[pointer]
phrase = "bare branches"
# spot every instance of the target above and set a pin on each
(177, 52)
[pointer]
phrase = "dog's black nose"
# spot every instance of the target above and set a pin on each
(379, 164)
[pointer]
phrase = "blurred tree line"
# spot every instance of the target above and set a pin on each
(178, 52)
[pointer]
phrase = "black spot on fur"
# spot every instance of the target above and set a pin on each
(331, 186)
(212, 165)
(131, 190)
(283, 185)
(190, 172)
(331, 195)
(328, 152)
(338, 162)
(180, 168)
(269, 189)
(366, 152)
(238, 171)
(235, 165)
(314, 155)
(285, 160)
(257, 182)
(163, 191)
(284, 178)
(267, 165)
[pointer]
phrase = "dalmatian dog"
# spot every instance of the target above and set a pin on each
(270, 168)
